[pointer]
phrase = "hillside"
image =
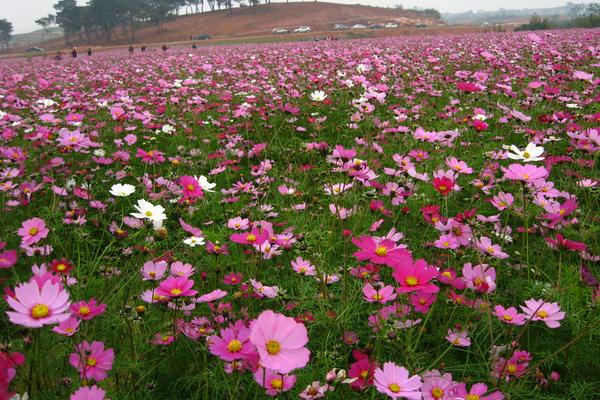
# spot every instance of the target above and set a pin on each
(244, 22)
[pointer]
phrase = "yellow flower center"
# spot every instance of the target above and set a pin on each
(276, 383)
(490, 249)
(447, 274)
(507, 317)
(394, 388)
(472, 397)
(190, 187)
(69, 330)
(437, 393)
(542, 314)
(61, 267)
(251, 238)
(443, 187)
(165, 338)
(217, 248)
(148, 213)
(377, 297)
(273, 347)
(381, 251)
(152, 274)
(364, 374)
(91, 361)
(175, 292)
(511, 368)
(234, 346)
(84, 310)
(40, 311)
(33, 231)
(477, 281)
(526, 154)
(411, 280)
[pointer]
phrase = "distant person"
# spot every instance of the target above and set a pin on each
(194, 46)
(164, 47)
(58, 56)
(131, 49)
(74, 52)
(89, 51)
(143, 48)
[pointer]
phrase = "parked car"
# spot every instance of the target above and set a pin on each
(376, 26)
(302, 29)
(279, 31)
(204, 36)
(34, 50)
(391, 25)
(421, 25)
(340, 27)
(358, 26)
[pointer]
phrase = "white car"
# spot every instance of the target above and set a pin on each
(358, 26)
(391, 25)
(279, 31)
(302, 29)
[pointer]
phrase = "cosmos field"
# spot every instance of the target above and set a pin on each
(413, 217)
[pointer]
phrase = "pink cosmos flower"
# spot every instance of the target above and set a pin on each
(436, 386)
(315, 391)
(9, 361)
(382, 295)
(238, 223)
(380, 251)
(160, 339)
(509, 315)
(459, 166)
(458, 338)
(233, 278)
(256, 236)
(153, 271)
(524, 173)
(92, 361)
(447, 242)
(87, 310)
(539, 310)
(68, 327)
(274, 383)
(180, 269)
(37, 305)
(150, 157)
(395, 382)
(233, 343)
(502, 201)
(477, 392)
(280, 342)
(32, 231)
(485, 245)
(481, 278)
(89, 393)
(176, 287)
(413, 277)
(303, 267)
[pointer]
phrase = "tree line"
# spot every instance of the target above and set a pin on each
(100, 18)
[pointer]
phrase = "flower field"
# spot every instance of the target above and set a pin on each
(411, 217)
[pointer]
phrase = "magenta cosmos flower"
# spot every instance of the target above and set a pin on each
(88, 393)
(255, 236)
(416, 277)
(509, 315)
(153, 271)
(380, 295)
(280, 342)
(36, 306)
(190, 187)
(233, 344)
(32, 231)
(87, 310)
(176, 287)
(380, 252)
(524, 173)
(395, 382)
(539, 310)
(92, 361)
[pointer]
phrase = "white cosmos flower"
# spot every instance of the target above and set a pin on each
(168, 129)
(318, 95)
(194, 241)
(531, 153)
(147, 210)
(205, 184)
(122, 190)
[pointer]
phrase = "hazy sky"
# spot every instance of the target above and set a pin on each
(23, 13)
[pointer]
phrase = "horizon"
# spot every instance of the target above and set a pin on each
(24, 22)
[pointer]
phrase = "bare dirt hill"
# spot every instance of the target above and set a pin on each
(246, 22)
